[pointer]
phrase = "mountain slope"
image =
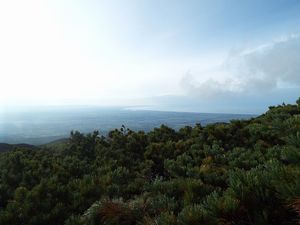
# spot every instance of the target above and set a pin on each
(242, 172)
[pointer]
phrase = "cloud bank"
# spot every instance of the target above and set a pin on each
(266, 68)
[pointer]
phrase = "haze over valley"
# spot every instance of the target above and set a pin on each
(43, 125)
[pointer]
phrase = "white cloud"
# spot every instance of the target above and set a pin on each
(251, 71)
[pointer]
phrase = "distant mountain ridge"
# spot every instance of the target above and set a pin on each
(4, 147)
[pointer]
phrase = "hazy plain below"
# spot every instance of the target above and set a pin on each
(46, 124)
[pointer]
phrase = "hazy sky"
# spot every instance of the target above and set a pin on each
(210, 55)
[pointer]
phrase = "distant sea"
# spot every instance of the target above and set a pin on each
(43, 125)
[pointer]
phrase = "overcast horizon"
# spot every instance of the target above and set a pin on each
(197, 56)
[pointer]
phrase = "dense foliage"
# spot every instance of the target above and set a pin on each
(242, 172)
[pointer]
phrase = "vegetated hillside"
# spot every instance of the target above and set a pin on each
(8, 147)
(243, 172)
